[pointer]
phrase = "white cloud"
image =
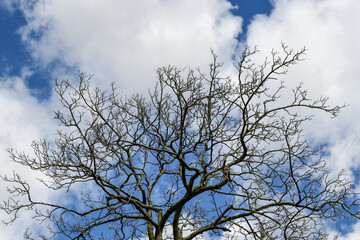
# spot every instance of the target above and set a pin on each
(327, 28)
(121, 41)
(23, 119)
(9, 5)
(353, 234)
(125, 41)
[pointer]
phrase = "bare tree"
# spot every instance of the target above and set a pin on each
(201, 154)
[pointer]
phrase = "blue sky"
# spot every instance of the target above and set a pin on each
(14, 54)
(247, 9)
(125, 41)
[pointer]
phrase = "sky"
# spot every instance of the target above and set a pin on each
(125, 41)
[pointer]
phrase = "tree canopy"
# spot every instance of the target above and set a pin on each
(200, 155)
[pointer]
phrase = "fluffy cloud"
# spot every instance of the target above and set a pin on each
(125, 41)
(326, 28)
(121, 41)
(23, 119)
